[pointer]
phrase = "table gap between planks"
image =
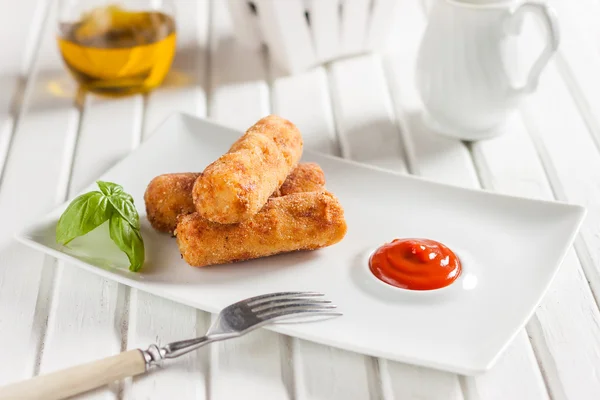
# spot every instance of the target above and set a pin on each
(55, 140)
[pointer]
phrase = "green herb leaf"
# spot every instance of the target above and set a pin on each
(125, 207)
(121, 201)
(126, 196)
(83, 215)
(109, 188)
(90, 210)
(129, 241)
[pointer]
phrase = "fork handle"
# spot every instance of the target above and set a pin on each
(71, 381)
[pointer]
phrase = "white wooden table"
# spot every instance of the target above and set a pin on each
(54, 141)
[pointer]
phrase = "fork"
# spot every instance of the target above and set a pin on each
(233, 321)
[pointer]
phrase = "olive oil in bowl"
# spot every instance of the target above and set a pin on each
(114, 51)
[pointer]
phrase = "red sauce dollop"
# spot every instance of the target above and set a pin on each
(415, 264)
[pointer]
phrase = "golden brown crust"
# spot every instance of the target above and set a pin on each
(284, 133)
(237, 185)
(300, 221)
(306, 177)
(169, 195)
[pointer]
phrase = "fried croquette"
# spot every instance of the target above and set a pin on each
(306, 177)
(238, 184)
(170, 195)
(300, 221)
(166, 197)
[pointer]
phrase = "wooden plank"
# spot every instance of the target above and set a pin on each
(46, 133)
(325, 28)
(353, 27)
(381, 23)
(518, 366)
(580, 18)
(577, 63)
(304, 99)
(245, 23)
(404, 381)
(156, 320)
(9, 103)
(578, 58)
(567, 353)
(320, 372)
(363, 113)
(326, 373)
(436, 157)
(236, 72)
(21, 28)
(251, 367)
(572, 165)
(153, 319)
(87, 307)
(184, 89)
(448, 161)
(286, 33)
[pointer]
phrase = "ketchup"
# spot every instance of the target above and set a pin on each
(415, 264)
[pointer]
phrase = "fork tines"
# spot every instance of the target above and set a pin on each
(280, 295)
(288, 304)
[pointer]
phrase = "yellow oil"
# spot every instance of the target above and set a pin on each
(113, 51)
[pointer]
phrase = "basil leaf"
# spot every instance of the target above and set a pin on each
(125, 196)
(92, 209)
(83, 215)
(109, 188)
(129, 241)
(124, 206)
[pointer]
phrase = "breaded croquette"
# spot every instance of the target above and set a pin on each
(300, 221)
(167, 196)
(306, 177)
(238, 184)
(170, 195)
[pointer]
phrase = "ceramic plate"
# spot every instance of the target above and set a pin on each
(510, 247)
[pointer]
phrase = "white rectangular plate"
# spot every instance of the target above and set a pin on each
(510, 247)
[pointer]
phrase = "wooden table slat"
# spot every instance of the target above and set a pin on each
(578, 58)
(568, 306)
(35, 179)
(572, 166)
(153, 319)
(186, 86)
(557, 134)
(304, 99)
(363, 113)
(21, 35)
(568, 127)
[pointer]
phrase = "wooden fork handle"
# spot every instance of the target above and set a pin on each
(71, 381)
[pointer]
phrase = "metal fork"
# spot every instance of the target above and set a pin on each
(233, 321)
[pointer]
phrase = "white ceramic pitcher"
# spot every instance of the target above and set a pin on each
(467, 64)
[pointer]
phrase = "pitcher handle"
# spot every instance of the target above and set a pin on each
(548, 17)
